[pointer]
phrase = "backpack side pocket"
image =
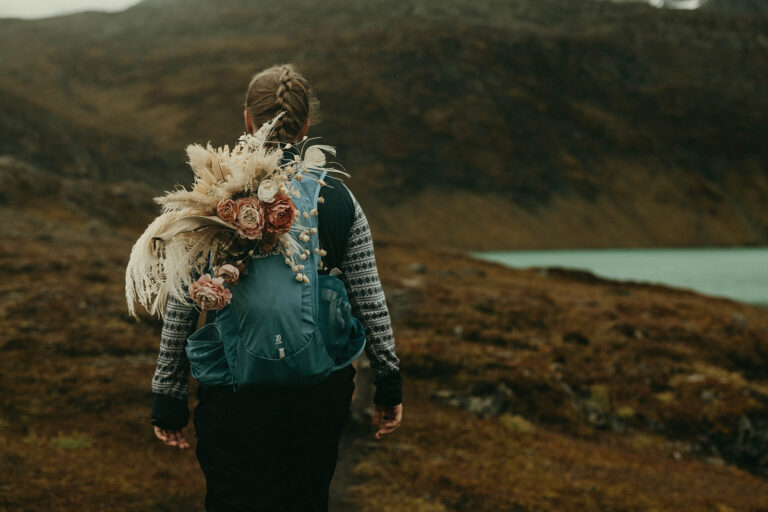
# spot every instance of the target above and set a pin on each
(205, 351)
(334, 319)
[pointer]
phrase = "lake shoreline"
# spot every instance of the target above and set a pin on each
(737, 273)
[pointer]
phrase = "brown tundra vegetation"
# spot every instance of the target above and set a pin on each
(526, 390)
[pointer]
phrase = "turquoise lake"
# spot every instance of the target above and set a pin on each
(737, 273)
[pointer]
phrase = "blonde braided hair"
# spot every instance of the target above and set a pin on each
(279, 89)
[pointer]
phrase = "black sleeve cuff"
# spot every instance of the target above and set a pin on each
(169, 413)
(389, 390)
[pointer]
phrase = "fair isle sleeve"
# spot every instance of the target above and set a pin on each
(358, 266)
(171, 377)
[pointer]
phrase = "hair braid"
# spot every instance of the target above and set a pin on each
(283, 99)
(281, 89)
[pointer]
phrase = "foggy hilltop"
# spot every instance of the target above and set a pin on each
(477, 125)
(744, 6)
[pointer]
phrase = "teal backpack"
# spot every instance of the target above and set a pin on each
(277, 331)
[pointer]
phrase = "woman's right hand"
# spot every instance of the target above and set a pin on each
(388, 418)
(173, 438)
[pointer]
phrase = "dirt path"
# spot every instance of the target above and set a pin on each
(351, 452)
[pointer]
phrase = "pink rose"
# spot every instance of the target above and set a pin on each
(250, 218)
(229, 273)
(280, 214)
(227, 210)
(210, 293)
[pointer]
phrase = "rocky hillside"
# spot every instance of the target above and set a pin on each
(483, 125)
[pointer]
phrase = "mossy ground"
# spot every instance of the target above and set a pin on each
(524, 390)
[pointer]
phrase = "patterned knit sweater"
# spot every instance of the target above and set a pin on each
(346, 236)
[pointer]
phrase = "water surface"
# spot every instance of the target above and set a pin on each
(739, 273)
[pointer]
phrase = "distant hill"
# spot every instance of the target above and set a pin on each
(744, 6)
(480, 125)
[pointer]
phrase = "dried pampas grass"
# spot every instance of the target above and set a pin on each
(163, 265)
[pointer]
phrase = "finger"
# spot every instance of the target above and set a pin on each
(181, 442)
(171, 438)
(384, 431)
(392, 424)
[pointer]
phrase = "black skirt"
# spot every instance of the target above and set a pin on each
(271, 449)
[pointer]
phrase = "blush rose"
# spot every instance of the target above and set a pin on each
(209, 293)
(250, 219)
(229, 273)
(227, 210)
(280, 214)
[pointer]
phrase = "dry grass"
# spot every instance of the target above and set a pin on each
(75, 371)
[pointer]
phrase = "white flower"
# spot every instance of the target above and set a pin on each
(267, 190)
